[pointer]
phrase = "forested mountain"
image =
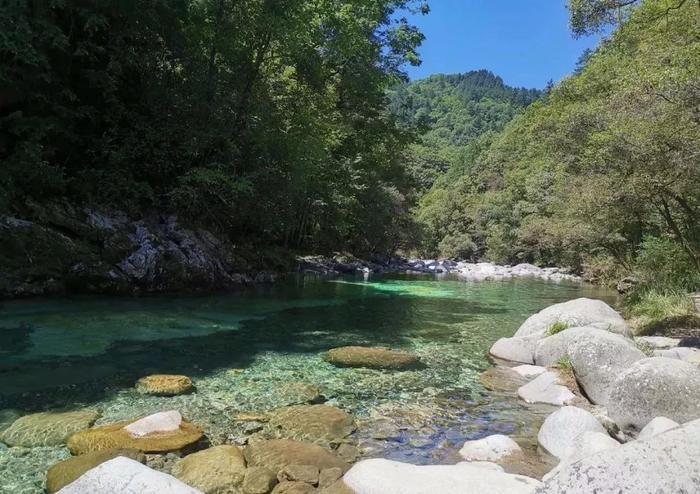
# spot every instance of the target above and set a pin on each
(263, 120)
(452, 111)
(604, 173)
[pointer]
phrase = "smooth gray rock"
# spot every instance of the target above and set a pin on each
(529, 371)
(665, 464)
(515, 349)
(126, 476)
(380, 476)
(657, 426)
(577, 312)
(559, 431)
(598, 358)
(489, 448)
(690, 355)
(584, 445)
(550, 349)
(655, 387)
(545, 388)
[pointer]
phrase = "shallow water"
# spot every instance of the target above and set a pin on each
(242, 348)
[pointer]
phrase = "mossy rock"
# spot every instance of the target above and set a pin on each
(373, 358)
(217, 470)
(65, 472)
(114, 436)
(320, 424)
(164, 385)
(47, 428)
(276, 454)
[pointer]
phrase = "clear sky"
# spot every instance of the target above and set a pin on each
(526, 42)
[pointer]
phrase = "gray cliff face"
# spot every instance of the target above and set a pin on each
(82, 250)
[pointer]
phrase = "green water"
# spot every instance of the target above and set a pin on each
(242, 348)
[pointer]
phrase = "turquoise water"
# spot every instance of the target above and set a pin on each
(242, 348)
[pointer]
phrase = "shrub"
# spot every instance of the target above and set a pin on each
(557, 327)
(565, 364)
(457, 246)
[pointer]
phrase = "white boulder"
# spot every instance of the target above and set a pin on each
(657, 426)
(490, 448)
(126, 476)
(515, 349)
(559, 431)
(380, 476)
(529, 371)
(583, 446)
(545, 388)
(158, 422)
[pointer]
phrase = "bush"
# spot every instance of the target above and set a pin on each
(457, 246)
(652, 311)
(664, 263)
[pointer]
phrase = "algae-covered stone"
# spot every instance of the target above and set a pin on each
(217, 470)
(321, 424)
(259, 480)
(116, 436)
(164, 385)
(294, 488)
(502, 379)
(7, 417)
(301, 473)
(65, 472)
(373, 358)
(47, 428)
(276, 454)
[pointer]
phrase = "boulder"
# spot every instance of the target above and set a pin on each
(490, 448)
(161, 422)
(117, 436)
(690, 355)
(666, 463)
(276, 454)
(584, 445)
(654, 387)
(123, 475)
(560, 430)
(529, 371)
(164, 385)
(657, 426)
(373, 358)
(217, 470)
(380, 476)
(320, 424)
(549, 350)
(515, 349)
(65, 472)
(545, 388)
(578, 312)
(7, 416)
(259, 480)
(47, 428)
(598, 358)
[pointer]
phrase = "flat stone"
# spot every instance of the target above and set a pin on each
(657, 426)
(665, 463)
(380, 476)
(67, 471)
(655, 387)
(320, 424)
(47, 428)
(169, 421)
(687, 354)
(276, 454)
(546, 389)
(373, 358)
(490, 448)
(501, 379)
(560, 429)
(125, 476)
(659, 342)
(164, 385)
(529, 371)
(216, 470)
(301, 473)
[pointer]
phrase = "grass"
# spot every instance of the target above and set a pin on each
(557, 327)
(655, 311)
(565, 364)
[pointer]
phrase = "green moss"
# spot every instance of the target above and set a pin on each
(565, 364)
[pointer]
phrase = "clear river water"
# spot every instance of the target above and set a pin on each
(244, 349)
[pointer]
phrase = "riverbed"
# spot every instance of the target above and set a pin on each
(259, 349)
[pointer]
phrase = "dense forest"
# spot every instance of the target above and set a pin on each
(603, 173)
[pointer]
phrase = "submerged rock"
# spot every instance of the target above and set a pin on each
(259, 480)
(373, 358)
(665, 463)
(490, 448)
(576, 313)
(560, 430)
(276, 454)
(217, 470)
(654, 387)
(293, 487)
(320, 424)
(501, 379)
(299, 393)
(47, 428)
(546, 388)
(117, 436)
(123, 475)
(65, 472)
(164, 385)
(379, 476)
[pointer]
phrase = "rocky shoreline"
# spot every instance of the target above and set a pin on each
(624, 417)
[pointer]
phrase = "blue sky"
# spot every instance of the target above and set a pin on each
(526, 42)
